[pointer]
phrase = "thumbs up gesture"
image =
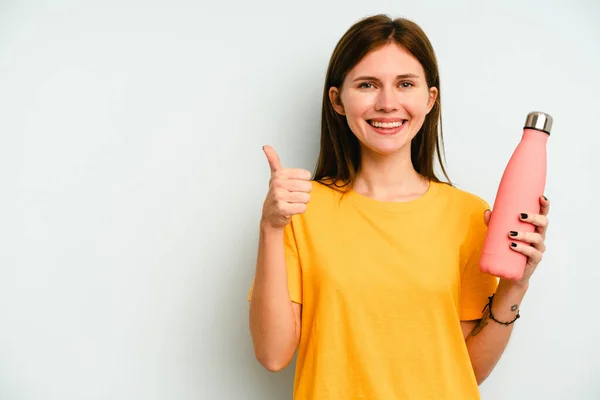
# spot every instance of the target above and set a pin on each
(288, 194)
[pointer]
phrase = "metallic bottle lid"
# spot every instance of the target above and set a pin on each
(539, 121)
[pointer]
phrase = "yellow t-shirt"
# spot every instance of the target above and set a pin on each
(383, 288)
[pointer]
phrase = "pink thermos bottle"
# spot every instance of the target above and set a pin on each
(521, 186)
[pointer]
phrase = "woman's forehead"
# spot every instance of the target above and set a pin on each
(388, 61)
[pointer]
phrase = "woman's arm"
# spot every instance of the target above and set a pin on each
(487, 339)
(274, 318)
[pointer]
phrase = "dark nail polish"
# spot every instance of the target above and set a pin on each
(513, 244)
(524, 216)
(545, 198)
(513, 233)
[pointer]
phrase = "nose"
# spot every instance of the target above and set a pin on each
(387, 100)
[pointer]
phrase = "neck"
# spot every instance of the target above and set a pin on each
(389, 177)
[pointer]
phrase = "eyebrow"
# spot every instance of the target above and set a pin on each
(372, 78)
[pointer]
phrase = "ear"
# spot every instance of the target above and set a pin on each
(433, 94)
(336, 101)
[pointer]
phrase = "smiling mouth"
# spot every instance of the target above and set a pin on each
(386, 125)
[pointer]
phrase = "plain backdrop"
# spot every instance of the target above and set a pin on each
(133, 180)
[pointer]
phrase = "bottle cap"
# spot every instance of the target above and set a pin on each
(539, 121)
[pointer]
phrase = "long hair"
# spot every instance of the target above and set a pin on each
(339, 156)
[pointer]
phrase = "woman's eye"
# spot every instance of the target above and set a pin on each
(369, 85)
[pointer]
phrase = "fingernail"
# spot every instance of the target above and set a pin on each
(545, 198)
(513, 244)
(513, 233)
(524, 216)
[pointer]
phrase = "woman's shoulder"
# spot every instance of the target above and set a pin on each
(328, 187)
(325, 197)
(467, 209)
(466, 200)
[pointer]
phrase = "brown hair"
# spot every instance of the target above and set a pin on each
(339, 157)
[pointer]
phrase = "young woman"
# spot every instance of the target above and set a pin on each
(370, 268)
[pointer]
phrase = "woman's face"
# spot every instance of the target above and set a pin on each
(385, 99)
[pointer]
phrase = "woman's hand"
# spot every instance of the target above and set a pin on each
(288, 192)
(536, 239)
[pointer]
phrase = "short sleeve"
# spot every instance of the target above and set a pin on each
(292, 263)
(476, 286)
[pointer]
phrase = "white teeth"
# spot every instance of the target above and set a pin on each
(386, 124)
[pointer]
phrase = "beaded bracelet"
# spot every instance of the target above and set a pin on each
(489, 306)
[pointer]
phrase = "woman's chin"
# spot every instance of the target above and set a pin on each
(386, 149)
